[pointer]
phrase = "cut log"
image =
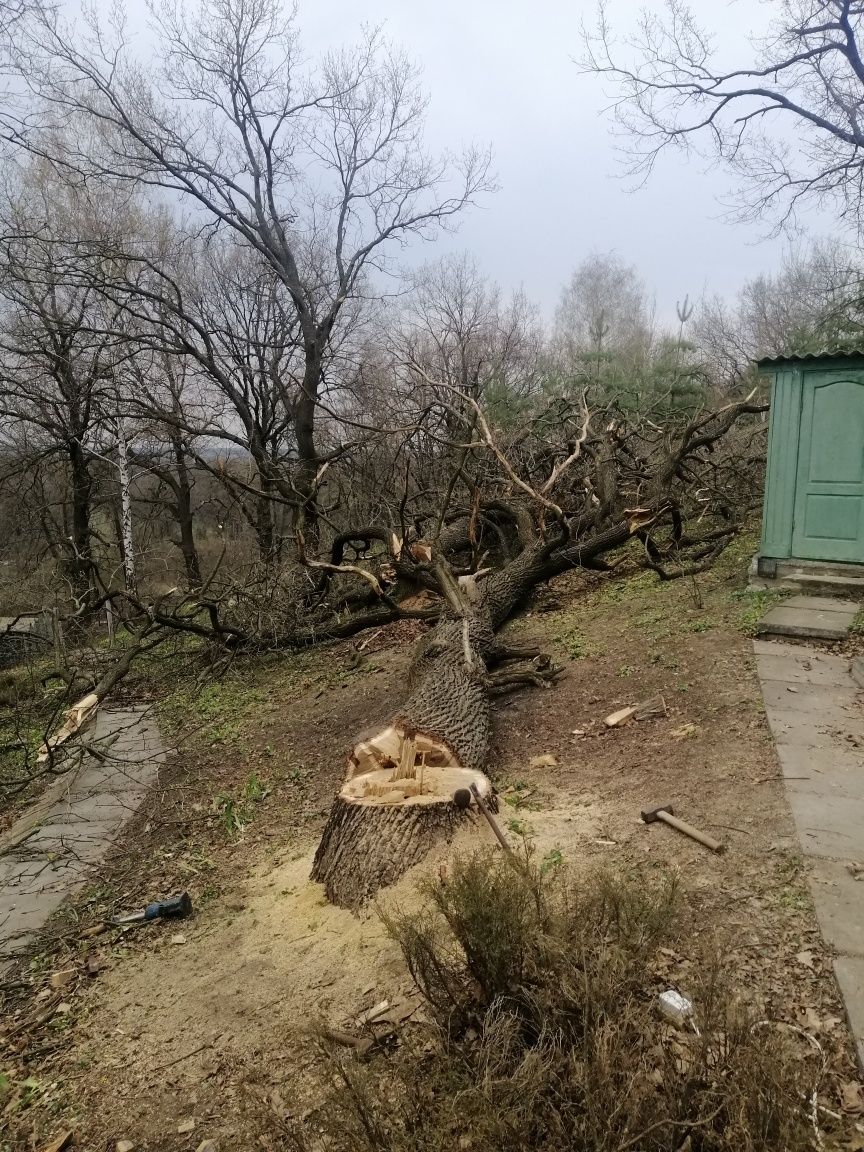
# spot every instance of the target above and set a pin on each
(380, 825)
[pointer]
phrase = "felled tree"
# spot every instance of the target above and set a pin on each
(402, 784)
(497, 514)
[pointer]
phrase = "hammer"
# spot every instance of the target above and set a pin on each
(664, 813)
(174, 906)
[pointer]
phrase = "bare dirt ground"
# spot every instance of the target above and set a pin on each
(201, 1029)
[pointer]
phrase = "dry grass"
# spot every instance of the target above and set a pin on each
(545, 1032)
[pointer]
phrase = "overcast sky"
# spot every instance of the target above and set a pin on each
(502, 72)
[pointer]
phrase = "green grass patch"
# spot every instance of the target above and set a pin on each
(754, 603)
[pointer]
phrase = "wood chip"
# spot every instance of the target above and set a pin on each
(94, 930)
(651, 709)
(61, 1142)
(616, 719)
(186, 1126)
(373, 1013)
(59, 979)
(547, 760)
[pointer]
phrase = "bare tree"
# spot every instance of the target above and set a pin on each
(321, 171)
(811, 301)
(603, 319)
(786, 118)
(59, 350)
(456, 324)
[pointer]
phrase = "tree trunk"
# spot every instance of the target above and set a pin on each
(264, 522)
(130, 575)
(183, 516)
(307, 453)
(80, 561)
(372, 840)
(399, 795)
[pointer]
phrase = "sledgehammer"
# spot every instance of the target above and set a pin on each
(665, 814)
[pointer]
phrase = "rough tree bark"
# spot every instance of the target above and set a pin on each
(79, 562)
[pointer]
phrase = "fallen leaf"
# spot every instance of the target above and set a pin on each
(63, 1009)
(852, 1097)
(805, 958)
(278, 1104)
(186, 1126)
(811, 1020)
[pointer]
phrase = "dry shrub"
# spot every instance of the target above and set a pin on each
(546, 1035)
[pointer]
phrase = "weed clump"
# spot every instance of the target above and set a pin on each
(544, 1033)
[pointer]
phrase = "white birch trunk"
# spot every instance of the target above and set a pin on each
(125, 480)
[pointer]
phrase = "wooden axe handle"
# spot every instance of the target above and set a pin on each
(689, 830)
(493, 823)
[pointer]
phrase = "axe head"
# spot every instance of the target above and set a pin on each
(652, 814)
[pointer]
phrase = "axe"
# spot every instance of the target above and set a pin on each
(665, 813)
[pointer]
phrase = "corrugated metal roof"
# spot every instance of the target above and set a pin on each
(820, 354)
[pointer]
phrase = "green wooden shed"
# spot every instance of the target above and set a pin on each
(814, 483)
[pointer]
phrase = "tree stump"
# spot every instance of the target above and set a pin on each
(380, 825)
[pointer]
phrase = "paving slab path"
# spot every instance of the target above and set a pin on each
(816, 617)
(814, 708)
(49, 852)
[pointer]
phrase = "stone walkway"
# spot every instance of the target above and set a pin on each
(816, 716)
(50, 850)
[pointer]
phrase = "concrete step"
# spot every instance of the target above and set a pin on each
(813, 617)
(846, 586)
(815, 578)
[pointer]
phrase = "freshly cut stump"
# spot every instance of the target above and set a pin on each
(380, 825)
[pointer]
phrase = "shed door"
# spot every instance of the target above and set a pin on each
(829, 496)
